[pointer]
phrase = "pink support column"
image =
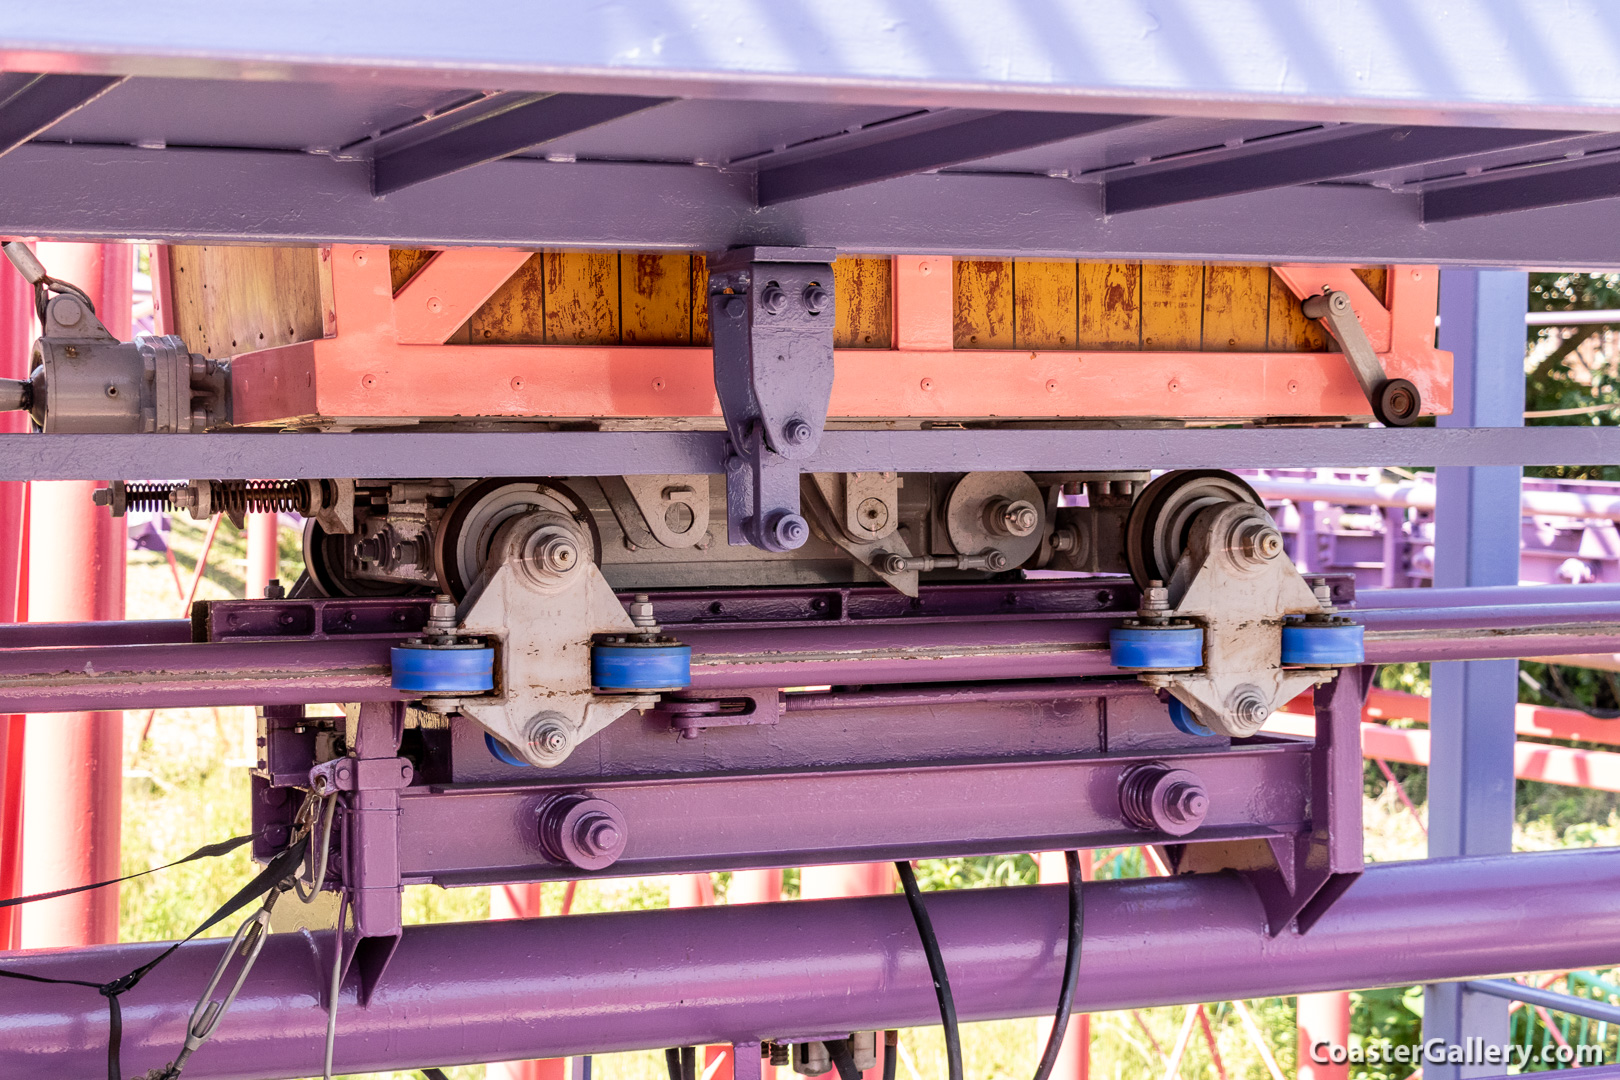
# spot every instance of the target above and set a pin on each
(756, 887)
(1322, 1019)
(1074, 1060)
(73, 763)
(849, 879)
(263, 555)
(520, 902)
(16, 332)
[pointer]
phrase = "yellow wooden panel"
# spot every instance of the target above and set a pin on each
(403, 263)
(1288, 330)
(581, 297)
(516, 314)
(230, 300)
(1109, 305)
(700, 300)
(984, 303)
(1235, 302)
(1045, 313)
(1376, 278)
(1172, 306)
(863, 286)
(656, 291)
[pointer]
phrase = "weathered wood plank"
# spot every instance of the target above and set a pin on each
(1236, 298)
(700, 300)
(581, 297)
(1045, 308)
(1109, 305)
(984, 303)
(1376, 278)
(231, 300)
(1172, 306)
(403, 263)
(1287, 328)
(656, 293)
(516, 314)
(864, 288)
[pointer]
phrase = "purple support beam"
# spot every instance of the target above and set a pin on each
(1526, 189)
(122, 632)
(30, 104)
(904, 147)
(508, 124)
(1285, 161)
(470, 992)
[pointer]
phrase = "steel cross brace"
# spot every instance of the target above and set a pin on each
(772, 314)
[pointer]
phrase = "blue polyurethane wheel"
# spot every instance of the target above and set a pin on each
(424, 670)
(502, 754)
(1185, 721)
(641, 667)
(1156, 648)
(1316, 645)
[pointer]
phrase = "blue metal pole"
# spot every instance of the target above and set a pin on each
(1471, 784)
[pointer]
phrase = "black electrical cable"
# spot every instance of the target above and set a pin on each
(1071, 969)
(942, 985)
(672, 1062)
(844, 1058)
(891, 1053)
(936, 968)
(688, 1063)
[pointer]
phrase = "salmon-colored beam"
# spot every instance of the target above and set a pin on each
(449, 289)
(1541, 721)
(388, 360)
(1595, 769)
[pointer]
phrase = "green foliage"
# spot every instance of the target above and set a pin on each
(977, 873)
(1393, 1015)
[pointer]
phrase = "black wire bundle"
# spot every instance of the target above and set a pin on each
(942, 984)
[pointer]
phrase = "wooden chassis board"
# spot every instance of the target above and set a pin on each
(384, 359)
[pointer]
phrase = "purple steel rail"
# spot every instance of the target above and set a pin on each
(313, 652)
(472, 992)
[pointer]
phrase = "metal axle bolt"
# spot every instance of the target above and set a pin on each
(797, 432)
(773, 299)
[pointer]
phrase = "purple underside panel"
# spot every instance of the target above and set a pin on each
(472, 992)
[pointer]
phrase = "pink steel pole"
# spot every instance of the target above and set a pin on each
(1323, 1021)
(520, 901)
(1074, 1060)
(263, 556)
(16, 328)
(73, 763)
(848, 879)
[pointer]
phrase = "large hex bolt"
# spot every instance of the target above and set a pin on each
(1011, 517)
(1158, 798)
(1247, 710)
(550, 740)
(582, 831)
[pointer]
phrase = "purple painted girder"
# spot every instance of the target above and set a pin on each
(469, 992)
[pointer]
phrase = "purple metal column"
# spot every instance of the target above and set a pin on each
(1471, 783)
(470, 992)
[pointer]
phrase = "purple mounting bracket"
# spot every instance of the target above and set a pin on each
(1314, 868)
(691, 711)
(771, 310)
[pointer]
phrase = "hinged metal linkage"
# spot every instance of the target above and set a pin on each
(1395, 402)
(771, 310)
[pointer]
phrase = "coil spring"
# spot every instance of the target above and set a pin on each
(229, 497)
(261, 496)
(147, 498)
